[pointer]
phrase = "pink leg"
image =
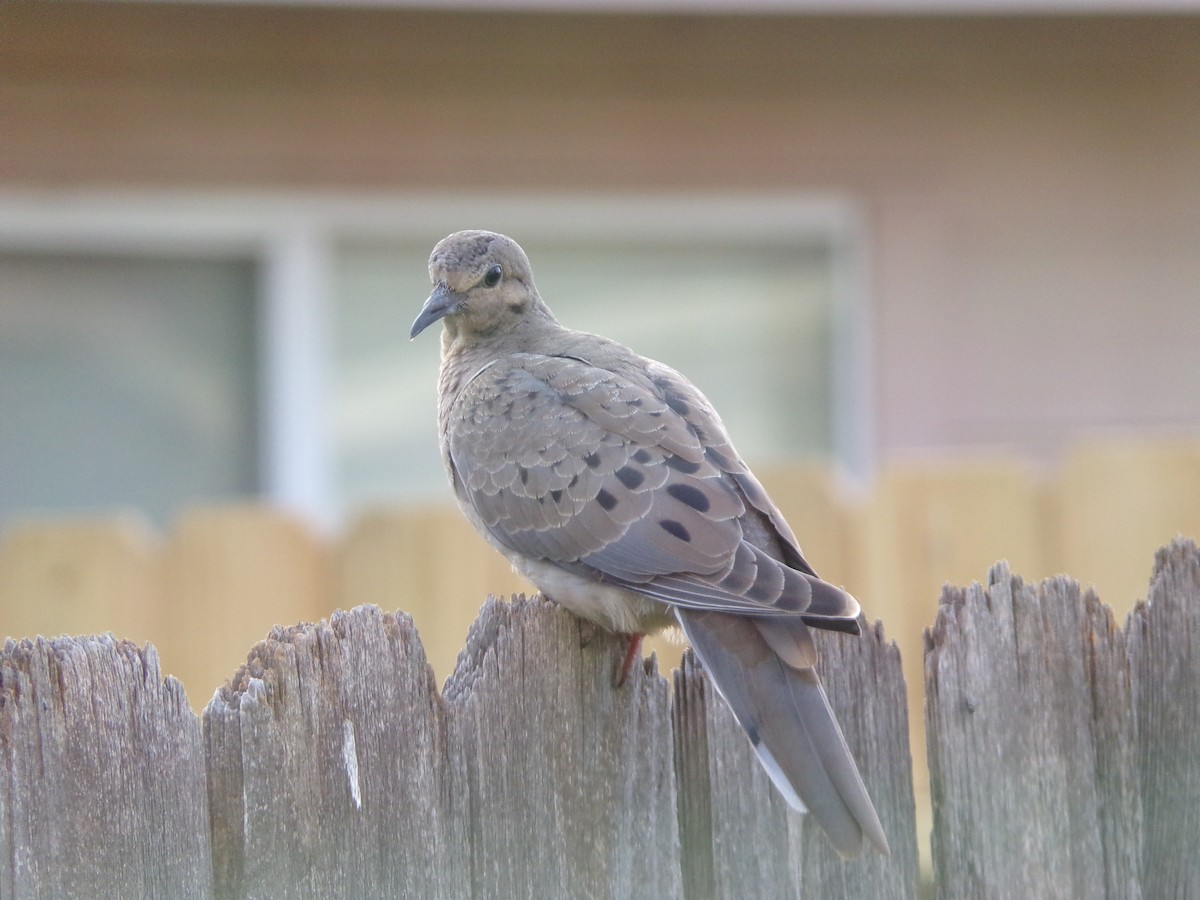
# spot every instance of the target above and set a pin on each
(632, 654)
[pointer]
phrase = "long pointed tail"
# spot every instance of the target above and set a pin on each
(784, 711)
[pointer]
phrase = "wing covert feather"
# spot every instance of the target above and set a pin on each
(634, 481)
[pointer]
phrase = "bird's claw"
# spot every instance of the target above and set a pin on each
(632, 653)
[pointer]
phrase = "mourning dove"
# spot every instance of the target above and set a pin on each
(608, 480)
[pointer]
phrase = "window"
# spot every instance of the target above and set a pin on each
(125, 382)
(161, 350)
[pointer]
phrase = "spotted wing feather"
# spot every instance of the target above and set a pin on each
(635, 483)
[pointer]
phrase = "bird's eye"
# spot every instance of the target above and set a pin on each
(492, 278)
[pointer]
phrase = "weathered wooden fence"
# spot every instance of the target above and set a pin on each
(218, 579)
(1063, 753)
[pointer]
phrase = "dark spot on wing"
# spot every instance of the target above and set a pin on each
(678, 404)
(574, 481)
(642, 455)
(673, 400)
(524, 474)
(700, 433)
(676, 529)
(679, 464)
(556, 495)
(718, 459)
(689, 496)
(605, 499)
(592, 460)
(630, 477)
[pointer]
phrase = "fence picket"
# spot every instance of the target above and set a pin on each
(1028, 702)
(103, 790)
(1164, 647)
(325, 768)
(79, 576)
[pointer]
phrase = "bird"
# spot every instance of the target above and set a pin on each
(609, 481)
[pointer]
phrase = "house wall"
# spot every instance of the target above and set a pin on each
(1031, 185)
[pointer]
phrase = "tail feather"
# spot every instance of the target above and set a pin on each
(788, 719)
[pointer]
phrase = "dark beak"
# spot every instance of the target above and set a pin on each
(441, 303)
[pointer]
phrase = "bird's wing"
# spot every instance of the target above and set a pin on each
(627, 476)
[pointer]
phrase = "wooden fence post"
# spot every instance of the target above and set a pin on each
(80, 576)
(1062, 750)
(325, 767)
(1031, 744)
(569, 780)
(1164, 646)
(102, 788)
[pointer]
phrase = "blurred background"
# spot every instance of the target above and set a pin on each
(937, 263)
(864, 236)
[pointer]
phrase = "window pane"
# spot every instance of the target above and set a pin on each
(749, 325)
(125, 382)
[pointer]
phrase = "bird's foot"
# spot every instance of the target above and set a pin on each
(632, 653)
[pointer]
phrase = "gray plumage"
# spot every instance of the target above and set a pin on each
(608, 480)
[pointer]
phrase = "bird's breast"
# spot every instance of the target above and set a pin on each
(612, 608)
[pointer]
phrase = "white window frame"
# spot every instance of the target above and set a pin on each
(293, 238)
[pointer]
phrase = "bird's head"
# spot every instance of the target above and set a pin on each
(482, 286)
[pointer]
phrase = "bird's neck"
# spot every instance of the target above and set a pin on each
(461, 359)
(463, 346)
(465, 353)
